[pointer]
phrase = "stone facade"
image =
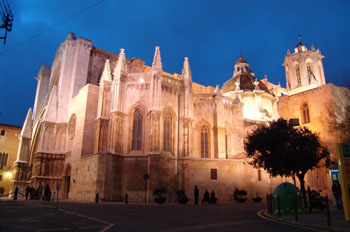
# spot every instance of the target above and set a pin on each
(101, 122)
(8, 152)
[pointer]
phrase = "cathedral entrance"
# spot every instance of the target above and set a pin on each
(66, 182)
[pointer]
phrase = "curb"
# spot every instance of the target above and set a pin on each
(264, 215)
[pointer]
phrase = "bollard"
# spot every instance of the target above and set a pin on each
(271, 203)
(268, 203)
(96, 198)
(126, 198)
(327, 212)
(296, 208)
(279, 206)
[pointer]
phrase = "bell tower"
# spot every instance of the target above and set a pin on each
(304, 69)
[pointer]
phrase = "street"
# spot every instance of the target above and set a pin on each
(72, 216)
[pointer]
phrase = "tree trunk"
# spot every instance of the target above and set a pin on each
(302, 188)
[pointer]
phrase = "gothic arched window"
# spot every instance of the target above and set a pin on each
(137, 130)
(305, 114)
(167, 145)
(204, 142)
(297, 70)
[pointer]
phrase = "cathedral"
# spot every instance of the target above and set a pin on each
(104, 123)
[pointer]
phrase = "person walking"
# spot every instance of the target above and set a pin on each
(205, 197)
(27, 192)
(40, 191)
(336, 189)
(212, 198)
(196, 194)
(47, 193)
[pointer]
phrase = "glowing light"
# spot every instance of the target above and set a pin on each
(8, 174)
(141, 80)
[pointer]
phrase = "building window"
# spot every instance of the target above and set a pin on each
(167, 132)
(259, 175)
(137, 130)
(2, 133)
(213, 174)
(305, 114)
(204, 142)
(309, 72)
(297, 70)
(3, 160)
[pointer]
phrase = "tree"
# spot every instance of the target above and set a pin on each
(283, 150)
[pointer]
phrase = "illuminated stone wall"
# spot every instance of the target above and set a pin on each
(102, 121)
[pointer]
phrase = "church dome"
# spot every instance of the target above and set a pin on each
(246, 82)
(243, 79)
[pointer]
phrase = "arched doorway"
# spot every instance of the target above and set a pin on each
(67, 182)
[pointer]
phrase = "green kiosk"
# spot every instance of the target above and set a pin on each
(287, 194)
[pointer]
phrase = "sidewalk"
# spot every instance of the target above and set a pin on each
(316, 220)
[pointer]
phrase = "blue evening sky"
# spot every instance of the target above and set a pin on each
(210, 32)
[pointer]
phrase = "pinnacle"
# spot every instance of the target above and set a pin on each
(71, 36)
(121, 64)
(186, 71)
(157, 61)
(106, 74)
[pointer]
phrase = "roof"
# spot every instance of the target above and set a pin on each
(8, 125)
(241, 60)
(246, 83)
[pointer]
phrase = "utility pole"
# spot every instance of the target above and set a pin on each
(6, 17)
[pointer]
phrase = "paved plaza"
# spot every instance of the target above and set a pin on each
(73, 216)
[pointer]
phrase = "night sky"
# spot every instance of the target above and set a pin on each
(211, 33)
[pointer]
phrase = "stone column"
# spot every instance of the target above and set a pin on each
(155, 131)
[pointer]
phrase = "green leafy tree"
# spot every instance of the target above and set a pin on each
(283, 150)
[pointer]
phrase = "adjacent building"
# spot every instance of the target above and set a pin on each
(8, 152)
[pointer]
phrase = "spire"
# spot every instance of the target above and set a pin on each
(186, 71)
(106, 74)
(71, 36)
(121, 64)
(217, 91)
(157, 61)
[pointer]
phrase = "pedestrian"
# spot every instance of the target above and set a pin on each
(205, 197)
(196, 194)
(27, 192)
(16, 194)
(126, 198)
(39, 191)
(47, 193)
(53, 195)
(212, 198)
(336, 189)
(32, 192)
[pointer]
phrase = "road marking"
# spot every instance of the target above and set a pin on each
(287, 223)
(107, 228)
(30, 219)
(56, 229)
(108, 225)
(90, 227)
(190, 228)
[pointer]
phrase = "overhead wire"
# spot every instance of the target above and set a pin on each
(51, 27)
